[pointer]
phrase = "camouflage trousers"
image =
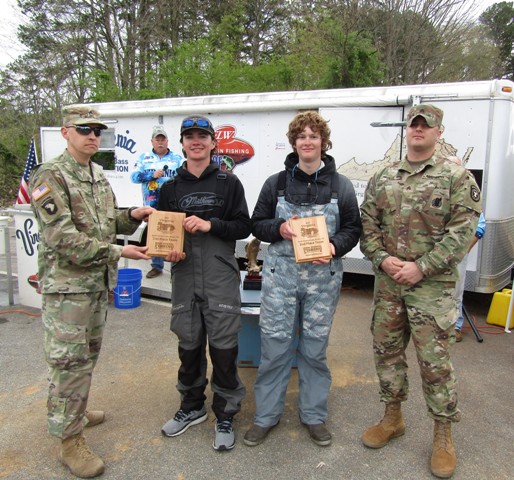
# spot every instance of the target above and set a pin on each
(426, 313)
(73, 328)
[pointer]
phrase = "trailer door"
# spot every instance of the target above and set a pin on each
(364, 140)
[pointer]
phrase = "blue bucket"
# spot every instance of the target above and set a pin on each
(127, 293)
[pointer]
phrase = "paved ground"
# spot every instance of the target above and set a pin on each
(135, 383)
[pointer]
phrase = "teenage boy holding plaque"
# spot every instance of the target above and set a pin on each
(309, 186)
(205, 282)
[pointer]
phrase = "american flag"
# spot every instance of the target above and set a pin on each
(23, 193)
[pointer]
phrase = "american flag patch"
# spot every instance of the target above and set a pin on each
(40, 191)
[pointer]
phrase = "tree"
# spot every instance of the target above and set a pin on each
(474, 58)
(16, 129)
(413, 36)
(90, 50)
(323, 54)
(499, 18)
(124, 39)
(199, 69)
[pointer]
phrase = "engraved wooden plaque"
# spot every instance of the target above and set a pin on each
(165, 233)
(311, 241)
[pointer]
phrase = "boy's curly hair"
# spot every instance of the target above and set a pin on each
(316, 123)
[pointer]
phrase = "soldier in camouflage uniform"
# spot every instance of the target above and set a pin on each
(78, 222)
(300, 296)
(419, 217)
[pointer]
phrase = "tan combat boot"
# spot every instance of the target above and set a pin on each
(444, 459)
(391, 426)
(93, 417)
(77, 456)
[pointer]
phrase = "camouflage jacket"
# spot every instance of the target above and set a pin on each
(78, 221)
(427, 215)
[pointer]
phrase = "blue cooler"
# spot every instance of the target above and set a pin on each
(250, 336)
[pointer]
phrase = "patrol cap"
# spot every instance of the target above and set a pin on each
(159, 130)
(82, 116)
(198, 122)
(432, 115)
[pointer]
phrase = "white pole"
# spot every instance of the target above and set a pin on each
(6, 249)
(509, 314)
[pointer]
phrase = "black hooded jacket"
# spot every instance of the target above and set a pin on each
(303, 188)
(222, 202)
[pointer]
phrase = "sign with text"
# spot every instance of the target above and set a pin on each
(165, 233)
(311, 241)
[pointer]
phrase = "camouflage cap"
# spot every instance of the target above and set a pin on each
(159, 130)
(198, 122)
(432, 115)
(82, 116)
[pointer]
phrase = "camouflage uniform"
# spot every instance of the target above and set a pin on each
(426, 214)
(300, 297)
(78, 221)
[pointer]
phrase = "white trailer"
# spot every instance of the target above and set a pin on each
(367, 132)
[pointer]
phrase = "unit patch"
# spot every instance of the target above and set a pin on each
(40, 191)
(475, 193)
(50, 206)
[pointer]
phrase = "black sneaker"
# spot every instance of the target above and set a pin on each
(182, 421)
(256, 435)
(319, 434)
(225, 438)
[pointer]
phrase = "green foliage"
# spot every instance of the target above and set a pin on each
(14, 147)
(199, 69)
(324, 55)
(355, 63)
(104, 88)
(83, 50)
(16, 131)
(11, 170)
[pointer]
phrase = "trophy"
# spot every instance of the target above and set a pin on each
(253, 277)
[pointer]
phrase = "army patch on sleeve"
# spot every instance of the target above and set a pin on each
(40, 191)
(437, 202)
(49, 206)
(475, 193)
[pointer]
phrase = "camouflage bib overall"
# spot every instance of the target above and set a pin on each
(303, 297)
(286, 283)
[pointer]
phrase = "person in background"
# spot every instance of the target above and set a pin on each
(205, 283)
(152, 170)
(78, 221)
(463, 265)
(300, 293)
(418, 216)
(459, 287)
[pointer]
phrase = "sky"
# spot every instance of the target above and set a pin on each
(11, 17)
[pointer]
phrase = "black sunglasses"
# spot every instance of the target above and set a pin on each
(196, 122)
(86, 130)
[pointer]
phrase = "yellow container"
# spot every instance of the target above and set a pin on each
(500, 308)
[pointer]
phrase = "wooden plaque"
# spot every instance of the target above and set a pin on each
(165, 233)
(311, 241)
